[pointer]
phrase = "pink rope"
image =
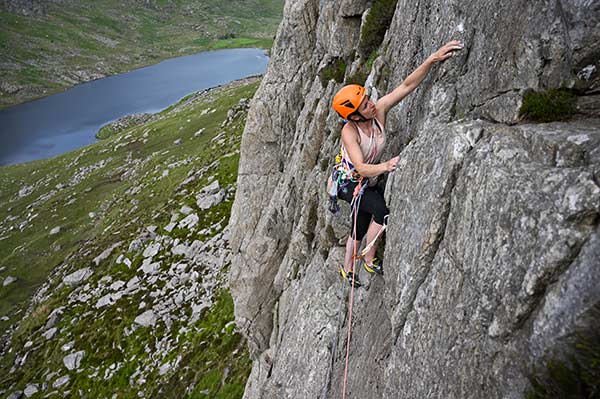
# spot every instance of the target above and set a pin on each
(354, 250)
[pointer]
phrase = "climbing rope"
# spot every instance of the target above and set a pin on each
(355, 205)
(334, 342)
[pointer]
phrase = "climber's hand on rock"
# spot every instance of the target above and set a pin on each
(391, 164)
(446, 51)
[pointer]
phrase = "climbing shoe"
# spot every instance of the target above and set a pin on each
(374, 267)
(350, 278)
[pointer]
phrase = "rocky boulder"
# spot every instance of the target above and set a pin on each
(146, 319)
(8, 280)
(73, 360)
(78, 277)
(30, 390)
(210, 196)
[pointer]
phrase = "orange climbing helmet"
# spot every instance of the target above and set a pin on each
(348, 99)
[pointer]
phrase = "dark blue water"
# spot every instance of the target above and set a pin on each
(63, 122)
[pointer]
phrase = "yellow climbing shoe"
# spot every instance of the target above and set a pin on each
(350, 278)
(374, 267)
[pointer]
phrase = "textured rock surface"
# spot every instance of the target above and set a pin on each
(146, 319)
(78, 277)
(9, 280)
(73, 360)
(493, 245)
(25, 7)
(31, 390)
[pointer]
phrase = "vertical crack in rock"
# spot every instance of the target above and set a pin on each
(430, 248)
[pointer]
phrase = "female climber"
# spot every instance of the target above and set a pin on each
(359, 162)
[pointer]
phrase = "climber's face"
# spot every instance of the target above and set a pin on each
(367, 108)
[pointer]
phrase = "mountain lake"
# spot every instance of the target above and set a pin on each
(69, 120)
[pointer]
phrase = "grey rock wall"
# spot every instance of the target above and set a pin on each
(492, 252)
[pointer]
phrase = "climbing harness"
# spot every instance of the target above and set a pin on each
(344, 172)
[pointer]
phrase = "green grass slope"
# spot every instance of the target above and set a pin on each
(76, 41)
(128, 211)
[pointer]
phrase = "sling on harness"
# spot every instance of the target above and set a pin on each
(370, 244)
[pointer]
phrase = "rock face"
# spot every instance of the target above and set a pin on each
(493, 245)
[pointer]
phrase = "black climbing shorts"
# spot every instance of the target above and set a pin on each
(372, 206)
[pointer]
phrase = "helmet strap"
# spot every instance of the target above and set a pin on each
(361, 118)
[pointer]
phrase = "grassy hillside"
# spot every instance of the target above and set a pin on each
(128, 213)
(76, 41)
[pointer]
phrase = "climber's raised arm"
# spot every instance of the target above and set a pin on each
(386, 102)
